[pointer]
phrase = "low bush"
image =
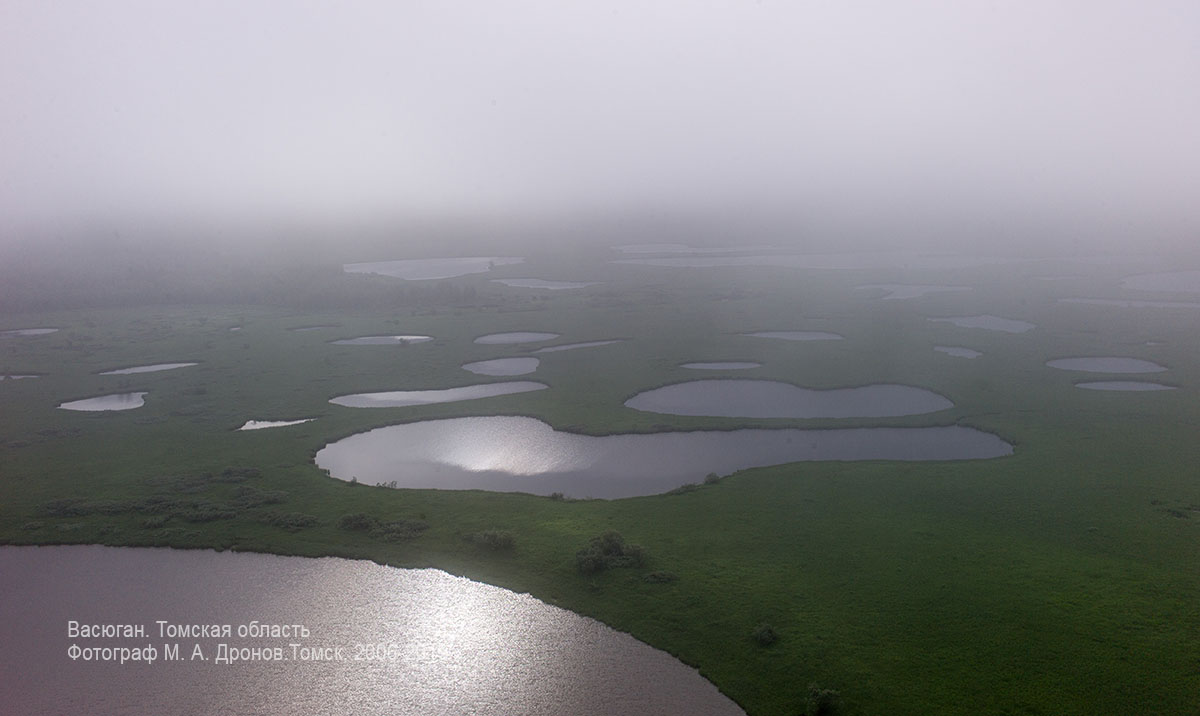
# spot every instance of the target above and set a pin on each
(765, 634)
(608, 550)
(492, 540)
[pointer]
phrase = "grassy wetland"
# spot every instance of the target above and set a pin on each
(1062, 579)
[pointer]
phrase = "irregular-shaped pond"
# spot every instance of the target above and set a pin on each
(116, 401)
(902, 291)
(17, 377)
(1107, 365)
(263, 424)
(772, 399)
(427, 269)
(719, 365)
(147, 368)
(573, 346)
(27, 332)
(957, 352)
(542, 283)
(515, 337)
(514, 454)
(1124, 386)
(382, 340)
(797, 335)
(403, 398)
(503, 366)
(414, 642)
(990, 323)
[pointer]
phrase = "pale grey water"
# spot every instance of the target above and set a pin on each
(542, 283)
(382, 340)
(263, 424)
(116, 401)
(772, 399)
(1129, 303)
(844, 261)
(903, 291)
(573, 346)
(1107, 364)
(147, 368)
(958, 352)
(1124, 386)
(515, 337)
(797, 335)
(990, 323)
(311, 328)
(17, 377)
(456, 646)
(517, 454)
(428, 269)
(683, 249)
(718, 365)
(1171, 281)
(404, 398)
(28, 332)
(503, 366)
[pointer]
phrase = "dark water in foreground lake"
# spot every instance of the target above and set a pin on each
(515, 454)
(450, 646)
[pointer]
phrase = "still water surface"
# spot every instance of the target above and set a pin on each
(797, 335)
(990, 323)
(382, 340)
(147, 368)
(515, 337)
(772, 399)
(404, 398)
(503, 366)
(456, 646)
(116, 401)
(1124, 386)
(519, 454)
(957, 351)
(1107, 364)
(542, 283)
(429, 269)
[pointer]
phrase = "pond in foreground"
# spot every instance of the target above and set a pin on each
(517, 454)
(772, 399)
(404, 398)
(432, 644)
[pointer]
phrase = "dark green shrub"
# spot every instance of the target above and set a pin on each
(290, 521)
(155, 522)
(822, 702)
(493, 540)
(660, 577)
(712, 478)
(608, 550)
(765, 634)
(399, 529)
(357, 522)
(684, 489)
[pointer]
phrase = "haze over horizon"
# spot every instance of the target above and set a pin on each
(974, 121)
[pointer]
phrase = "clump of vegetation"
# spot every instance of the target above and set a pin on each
(607, 551)
(765, 634)
(155, 522)
(557, 496)
(822, 702)
(391, 531)
(660, 577)
(247, 496)
(684, 488)
(30, 526)
(290, 521)
(493, 540)
(712, 478)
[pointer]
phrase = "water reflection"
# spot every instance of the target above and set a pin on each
(451, 646)
(772, 399)
(573, 346)
(263, 424)
(117, 401)
(542, 283)
(503, 366)
(990, 323)
(1107, 364)
(403, 398)
(515, 337)
(517, 454)
(382, 340)
(147, 368)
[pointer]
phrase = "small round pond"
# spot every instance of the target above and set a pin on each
(27, 332)
(503, 366)
(414, 642)
(116, 401)
(515, 337)
(1124, 386)
(772, 399)
(517, 454)
(147, 368)
(404, 398)
(958, 352)
(381, 340)
(1108, 364)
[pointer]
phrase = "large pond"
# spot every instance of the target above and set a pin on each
(903, 291)
(427, 269)
(147, 368)
(116, 401)
(573, 346)
(990, 323)
(503, 366)
(404, 398)
(382, 340)
(772, 399)
(542, 283)
(413, 642)
(27, 332)
(515, 337)
(797, 335)
(1172, 281)
(517, 454)
(1124, 386)
(1107, 364)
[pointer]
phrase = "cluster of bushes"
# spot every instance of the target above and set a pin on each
(764, 634)
(290, 521)
(393, 531)
(607, 551)
(492, 540)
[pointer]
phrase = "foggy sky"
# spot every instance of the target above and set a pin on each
(864, 113)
